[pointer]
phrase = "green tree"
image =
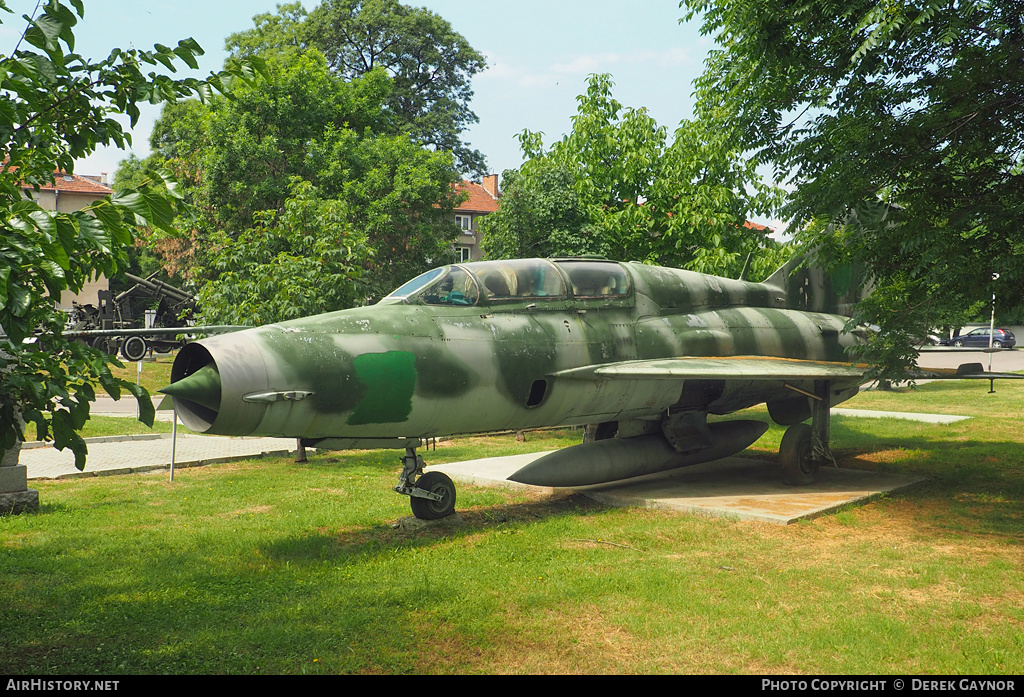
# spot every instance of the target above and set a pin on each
(236, 158)
(541, 215)
(682, 204)
(55, 107)
(304, 261)
(900, 125)
(402, 197)
(431, 65)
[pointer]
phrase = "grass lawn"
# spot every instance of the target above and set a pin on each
(275, 567)
(155, 373)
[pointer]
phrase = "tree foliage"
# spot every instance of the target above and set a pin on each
(429, 63)
(900, 125)
(55, 107)
(304, 261)
(615, 186)
(237, 159)
(541, 215)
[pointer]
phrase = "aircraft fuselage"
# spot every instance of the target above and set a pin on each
(421, 365)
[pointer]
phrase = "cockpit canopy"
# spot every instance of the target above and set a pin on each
(515, 279)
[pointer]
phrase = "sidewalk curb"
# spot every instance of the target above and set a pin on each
(143, 469)
(32, 444)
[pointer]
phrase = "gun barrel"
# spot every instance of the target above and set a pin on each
(157, 288)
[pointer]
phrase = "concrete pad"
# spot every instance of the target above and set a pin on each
(735, 487)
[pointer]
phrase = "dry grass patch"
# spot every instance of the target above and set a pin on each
(563, 643)
(253, 510)
(867, 460)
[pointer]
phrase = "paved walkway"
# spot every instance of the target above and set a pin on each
(1004, 361)
(144, 453)
(133, 454)
(909, 416)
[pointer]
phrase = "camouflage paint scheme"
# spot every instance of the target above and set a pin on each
(643, 353)
(407, 369)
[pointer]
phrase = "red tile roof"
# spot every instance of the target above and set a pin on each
(479, 200)
(755, 226)
(75, 183)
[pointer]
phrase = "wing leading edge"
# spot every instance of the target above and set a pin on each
(719, 368)
(759, 368)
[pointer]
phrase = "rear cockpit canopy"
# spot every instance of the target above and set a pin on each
(596, 279)
(515, 279)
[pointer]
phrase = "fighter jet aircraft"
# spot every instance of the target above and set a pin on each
(646, 353)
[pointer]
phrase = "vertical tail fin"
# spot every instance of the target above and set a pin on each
(815, 289)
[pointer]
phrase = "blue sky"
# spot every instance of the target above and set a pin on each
(539, 55)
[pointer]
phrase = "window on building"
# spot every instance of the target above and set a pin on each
(464, 253)
(465, 222)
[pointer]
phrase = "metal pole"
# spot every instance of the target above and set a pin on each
(138, 381)
(991, 335)
(174, 439)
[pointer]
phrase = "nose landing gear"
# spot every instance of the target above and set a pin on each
(431, 494)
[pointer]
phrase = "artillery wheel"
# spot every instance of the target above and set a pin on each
(796, 456)
(134, 348)
(436, 483)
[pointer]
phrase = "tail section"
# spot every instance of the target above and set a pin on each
(815, 289)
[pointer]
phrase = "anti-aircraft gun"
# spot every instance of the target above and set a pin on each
(110, 324)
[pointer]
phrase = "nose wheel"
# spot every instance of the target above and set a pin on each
(431, 494)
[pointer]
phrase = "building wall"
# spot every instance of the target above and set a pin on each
(64, 201)
(483, 199)
(59, 198)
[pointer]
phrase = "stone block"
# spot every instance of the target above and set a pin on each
(19, 502)
(13, 479)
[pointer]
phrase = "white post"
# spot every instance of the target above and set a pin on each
(992, 324)
(138, 381)
(174, 440)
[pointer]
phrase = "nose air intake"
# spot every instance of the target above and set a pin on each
(195, 387)
(211, 378)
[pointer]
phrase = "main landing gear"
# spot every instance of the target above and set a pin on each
(805, 447)
(431, 494)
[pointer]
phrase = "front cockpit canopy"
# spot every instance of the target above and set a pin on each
(515, 279)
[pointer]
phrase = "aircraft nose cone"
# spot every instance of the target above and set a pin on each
(202, 387)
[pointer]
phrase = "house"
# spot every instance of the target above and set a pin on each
(481, 199)
(69, 193)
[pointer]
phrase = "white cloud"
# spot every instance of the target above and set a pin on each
(582, 65)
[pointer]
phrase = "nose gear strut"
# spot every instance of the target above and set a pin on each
(431, 494)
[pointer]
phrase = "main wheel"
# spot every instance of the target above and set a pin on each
(436, 483)
(796, 455)
(134, 348)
